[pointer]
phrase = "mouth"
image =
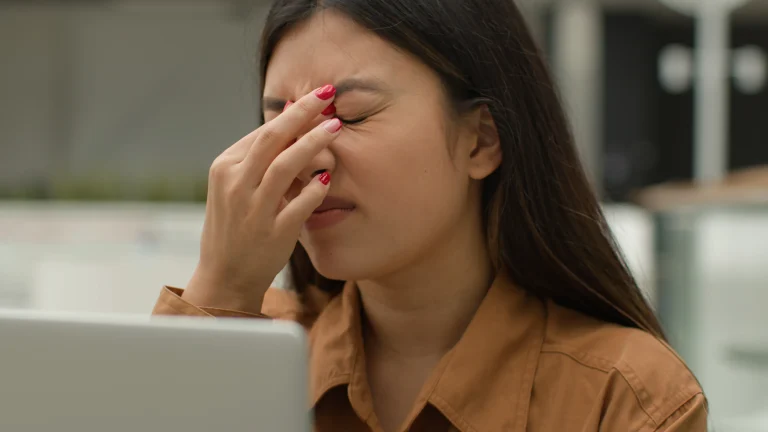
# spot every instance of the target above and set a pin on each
(331, 212)
(331, 203)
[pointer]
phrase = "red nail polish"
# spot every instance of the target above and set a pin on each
(325, 92)
(329, 110)
(325, 178)
(287, 104)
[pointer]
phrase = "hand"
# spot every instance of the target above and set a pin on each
(250, 227)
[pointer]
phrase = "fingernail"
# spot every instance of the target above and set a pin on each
(332, 126)
(287, 104)
(324, 178)
(325, 92)
(329, 110)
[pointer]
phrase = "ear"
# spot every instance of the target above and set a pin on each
(485, 146)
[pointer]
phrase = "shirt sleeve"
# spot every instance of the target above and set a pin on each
(171, 303)
(690, 417)
(278, 304)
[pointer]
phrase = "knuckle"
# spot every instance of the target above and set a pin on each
(219, 169)
(269, 133)
(279, 168)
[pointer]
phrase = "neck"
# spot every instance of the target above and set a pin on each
(422, 311)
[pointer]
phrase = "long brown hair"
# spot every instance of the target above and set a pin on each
(546, 228)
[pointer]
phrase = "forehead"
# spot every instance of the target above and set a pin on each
(329, 47)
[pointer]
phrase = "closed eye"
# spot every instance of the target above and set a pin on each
(352, 121)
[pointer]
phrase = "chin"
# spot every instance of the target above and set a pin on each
(336, 266)
(336, 262)
(355, 257)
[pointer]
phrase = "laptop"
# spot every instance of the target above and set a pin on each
(86, 373)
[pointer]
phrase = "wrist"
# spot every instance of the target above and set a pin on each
(210, 292)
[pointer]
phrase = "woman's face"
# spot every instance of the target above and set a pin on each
(401, 160)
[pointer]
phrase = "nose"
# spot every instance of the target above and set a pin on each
(325, 161)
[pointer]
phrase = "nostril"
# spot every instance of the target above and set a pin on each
(318, 172)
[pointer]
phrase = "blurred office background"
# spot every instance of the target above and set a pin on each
(111, 112)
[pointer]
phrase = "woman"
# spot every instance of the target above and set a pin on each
(433, 170)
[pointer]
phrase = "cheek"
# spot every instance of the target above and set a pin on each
(407, 173)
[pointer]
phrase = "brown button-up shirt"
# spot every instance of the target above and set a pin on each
(521, 365)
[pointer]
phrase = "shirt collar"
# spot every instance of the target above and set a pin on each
(483, 383)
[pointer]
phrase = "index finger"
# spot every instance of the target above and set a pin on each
(276, 134)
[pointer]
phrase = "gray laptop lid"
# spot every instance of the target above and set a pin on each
(66, 372)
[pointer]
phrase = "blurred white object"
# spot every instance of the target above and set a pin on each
(750, 69)
(633, 229)
(93, 373)
(676, 68)
(713, 296)
(732, 292)
(129, 283)
(693, 6)
(95, 257)
(116, 258)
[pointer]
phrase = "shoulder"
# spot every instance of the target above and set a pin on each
(627, 373)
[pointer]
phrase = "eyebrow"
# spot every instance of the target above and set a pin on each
(344, 86)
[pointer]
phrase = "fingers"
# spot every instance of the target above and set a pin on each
(296, 212)
(239, 150)
(274, 136)
(289, 164)
(294, 190)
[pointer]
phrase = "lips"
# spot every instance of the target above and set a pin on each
(334, 203)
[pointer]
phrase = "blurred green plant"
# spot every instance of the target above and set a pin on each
(102, 187)
(27, 191)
